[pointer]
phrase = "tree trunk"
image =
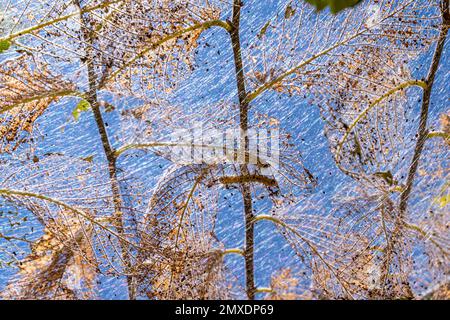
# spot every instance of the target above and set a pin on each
(245, 187)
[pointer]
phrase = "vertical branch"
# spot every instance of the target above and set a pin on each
(243, 118)
(111, 158)
(423, 130)
(249, 241)
(422, 134)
